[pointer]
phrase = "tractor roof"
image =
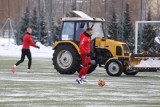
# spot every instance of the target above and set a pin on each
(82, 17)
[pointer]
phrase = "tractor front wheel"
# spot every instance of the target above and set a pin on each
(114, 67)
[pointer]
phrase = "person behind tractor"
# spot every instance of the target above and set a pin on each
(27, 42)
(84, 47)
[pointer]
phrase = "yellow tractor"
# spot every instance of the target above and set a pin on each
(112, 55)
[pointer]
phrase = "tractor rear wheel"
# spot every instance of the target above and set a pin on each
(114, 67)
(66, 59)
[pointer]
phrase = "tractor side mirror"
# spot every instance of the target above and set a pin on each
(104, 38)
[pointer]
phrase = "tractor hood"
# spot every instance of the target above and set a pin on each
(107, 43)
(116, 48)
(113, 41)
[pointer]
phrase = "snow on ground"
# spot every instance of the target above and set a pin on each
(9, 49)
(45, 87)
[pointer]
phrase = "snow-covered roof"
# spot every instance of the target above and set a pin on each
(82, 17)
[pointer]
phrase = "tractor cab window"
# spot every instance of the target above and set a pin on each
(68, 31)
(80, 27)
(97, 29)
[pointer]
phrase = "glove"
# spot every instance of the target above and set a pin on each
(38, 47)
(88, 55)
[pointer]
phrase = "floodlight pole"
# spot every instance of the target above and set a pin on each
(51, 26)
(90, 11)
(29, 21)
(9, 18)
(106, 32)
(39, 19)
(63, 11)
(19, 8)
(75, 4)
(122, 33)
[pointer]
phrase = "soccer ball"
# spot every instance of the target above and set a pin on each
(101, 83)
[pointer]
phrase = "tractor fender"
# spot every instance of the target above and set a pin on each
(56, 44)
(110, 59)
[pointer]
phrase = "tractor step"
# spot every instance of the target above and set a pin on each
(146, 55)
(145, 69)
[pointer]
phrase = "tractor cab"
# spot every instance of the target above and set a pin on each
(72, 27)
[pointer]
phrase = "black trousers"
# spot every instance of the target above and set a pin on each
(25, 52)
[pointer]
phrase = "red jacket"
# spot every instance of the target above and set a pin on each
(27, 41)
(84, 46)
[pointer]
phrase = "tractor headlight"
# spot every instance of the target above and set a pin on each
(126, 50)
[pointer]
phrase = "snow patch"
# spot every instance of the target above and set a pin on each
(4, 41)
(9, 49)
(149, 63)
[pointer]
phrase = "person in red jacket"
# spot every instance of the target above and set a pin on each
(27, 42)
(85, 51)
